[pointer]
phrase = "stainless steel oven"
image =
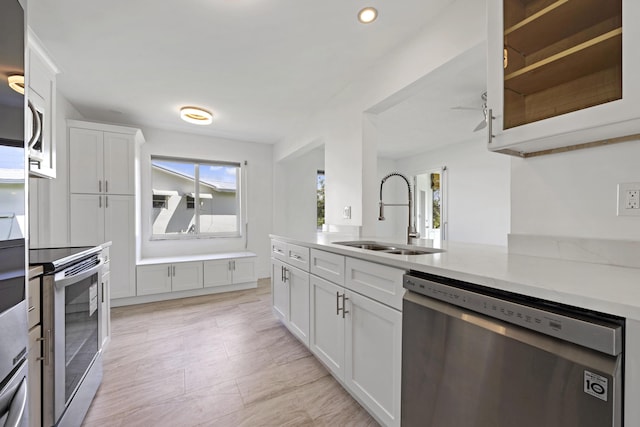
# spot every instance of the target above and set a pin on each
(477, 357)
(13, 334)
(72, 369)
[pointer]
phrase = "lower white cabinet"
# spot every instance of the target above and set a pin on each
(222, 272)
(162, 278)
(291, 298)
(360, 341)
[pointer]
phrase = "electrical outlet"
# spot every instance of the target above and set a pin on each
(629, 199)
(346, 213)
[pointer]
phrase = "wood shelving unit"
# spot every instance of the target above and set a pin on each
(563, 56)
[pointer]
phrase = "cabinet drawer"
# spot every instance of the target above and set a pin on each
(298, 256)
(328, 266)
(34, 302)
(279, 250)
(379, 282)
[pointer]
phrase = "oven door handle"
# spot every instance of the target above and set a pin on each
(66, 281)
(16, 410)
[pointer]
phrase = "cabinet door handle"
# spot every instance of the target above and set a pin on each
(234, 265)
(286, 276)
(100, 201)
(46, 342)
(106, 186)
(174, 271)
(169, 271)
(106, 201)
(99, 186)
(103, 292)
(490, 119)
(344, 307)
(337, 303)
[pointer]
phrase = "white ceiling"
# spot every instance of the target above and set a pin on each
(421, 117)
(260, 66)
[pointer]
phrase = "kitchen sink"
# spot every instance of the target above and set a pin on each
(389, 248)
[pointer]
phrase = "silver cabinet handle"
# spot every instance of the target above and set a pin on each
(106, 186)
(103, 292)
(99, 186)
(337, 303)
(286, 274)
(234, 265)
(344, 307)
(106, 201)
(46, 342)
(168, 271)
(174, 271)
(490, 119)
(37, 126)
(296, 256)
(100, 201)
(282, 273)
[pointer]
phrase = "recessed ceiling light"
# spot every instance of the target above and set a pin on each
(196, 115)
(16, 82)
(367, 15)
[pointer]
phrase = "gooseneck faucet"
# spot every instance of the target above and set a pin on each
(411, 229)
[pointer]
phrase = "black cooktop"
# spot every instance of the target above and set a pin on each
(54, 259)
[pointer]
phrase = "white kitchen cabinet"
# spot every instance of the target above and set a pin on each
(569, 78)
(279, 291)
(290, 294)
(373, 350)
(326, 324)
(223, 272)
(34, 385)
(379, 282)
(105, 299)
(173, 277)
(95, 219)
(41, 94)
(101, 162)
(327, 265)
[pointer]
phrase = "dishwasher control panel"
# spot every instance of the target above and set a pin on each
(604, 338)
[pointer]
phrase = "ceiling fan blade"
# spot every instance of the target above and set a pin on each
(481, 125)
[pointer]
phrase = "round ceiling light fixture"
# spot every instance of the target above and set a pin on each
(16, 82)
(196, 115)
(367, 15)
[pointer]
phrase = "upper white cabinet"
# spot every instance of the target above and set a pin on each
(101, 162)
(562, 74)
(41, 95)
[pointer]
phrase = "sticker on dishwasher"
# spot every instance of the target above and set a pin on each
(595, 385)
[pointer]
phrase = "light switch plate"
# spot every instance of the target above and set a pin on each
(346, 213)
(628, 199)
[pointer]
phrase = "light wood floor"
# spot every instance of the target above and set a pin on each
(216, 360)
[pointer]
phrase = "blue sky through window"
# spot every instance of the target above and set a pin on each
(209, 173)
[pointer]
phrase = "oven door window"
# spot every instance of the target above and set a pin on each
(81, 330)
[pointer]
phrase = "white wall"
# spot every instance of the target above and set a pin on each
(259, 186)
(575, 193)
(350, 163)
(477, 192)
(295, 189)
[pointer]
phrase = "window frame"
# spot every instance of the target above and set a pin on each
(239, 198)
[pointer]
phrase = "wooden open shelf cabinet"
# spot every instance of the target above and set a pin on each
(561, 56)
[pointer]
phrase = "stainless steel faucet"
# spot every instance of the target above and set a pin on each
(411, 229)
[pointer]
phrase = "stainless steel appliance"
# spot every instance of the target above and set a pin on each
(71, 313)
(13, 334)
(13, 310)
(473, 356)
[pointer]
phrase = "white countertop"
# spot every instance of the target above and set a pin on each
(189, 258)
(599, 287)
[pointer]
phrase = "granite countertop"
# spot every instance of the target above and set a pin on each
(605, 288)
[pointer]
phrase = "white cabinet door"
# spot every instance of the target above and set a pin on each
(154, 279)
(373, 363)
(217, 273)
(118, 163)
(86, 169)
(86, 216)
(279, 291)
(326, 327)
(186, 275)
(327, 265)
(34, 386)
(120, 230)
(298, 283)
(105, 317)
(379, 282)
(244, 270)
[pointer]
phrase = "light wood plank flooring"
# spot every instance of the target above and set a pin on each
(216, 360)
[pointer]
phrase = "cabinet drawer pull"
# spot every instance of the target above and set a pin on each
(344, 307)
(100, 201)
(490, 119)
(337, 303)
(296, 256)
(106, 186)
(99, 186)
(33, 307)
(106, 201)
(169, 271)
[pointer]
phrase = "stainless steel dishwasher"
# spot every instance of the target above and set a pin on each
(476, 357)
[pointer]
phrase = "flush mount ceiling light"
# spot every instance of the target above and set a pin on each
(367, 15)
(16, 82)
(196, 115)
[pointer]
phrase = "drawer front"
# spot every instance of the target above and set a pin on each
(328, 266)
(33, 305)
(378, 282)
(298, 256)
(279, 250)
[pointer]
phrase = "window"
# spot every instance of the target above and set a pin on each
(320, 199)
(193, 198)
